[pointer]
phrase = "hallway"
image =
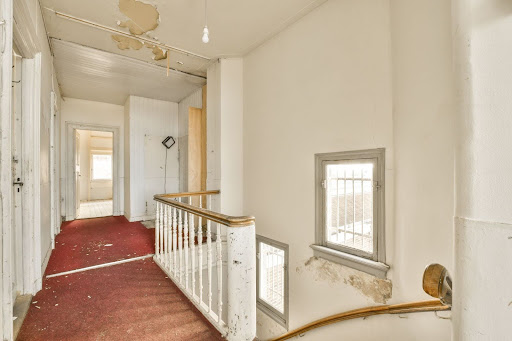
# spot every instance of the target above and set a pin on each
(130, 301)
(95, 209)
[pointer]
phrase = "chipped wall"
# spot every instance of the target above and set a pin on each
(350, 76)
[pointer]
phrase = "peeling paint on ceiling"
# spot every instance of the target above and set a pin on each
(125, 43)
(159, 54)
(143, 17)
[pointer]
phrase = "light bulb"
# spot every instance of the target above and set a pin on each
(206, 39)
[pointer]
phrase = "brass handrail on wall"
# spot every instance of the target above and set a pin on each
(223, 219)
(436, 282)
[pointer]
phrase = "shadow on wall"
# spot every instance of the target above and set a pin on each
(484, 15)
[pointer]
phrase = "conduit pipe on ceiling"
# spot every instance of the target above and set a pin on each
(128, 35)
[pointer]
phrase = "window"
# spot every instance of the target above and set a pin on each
(350, 209)
(101, 166)
(272, 279)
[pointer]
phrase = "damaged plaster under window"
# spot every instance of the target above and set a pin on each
(379, 290)
(142, 19)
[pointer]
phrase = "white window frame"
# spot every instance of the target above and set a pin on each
(91, 162)
(276, 315)
(373, 263)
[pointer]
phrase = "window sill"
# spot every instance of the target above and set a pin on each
(369, 266)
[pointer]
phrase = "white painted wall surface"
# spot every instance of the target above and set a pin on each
(424, 140)
(483, 222)
(37, 33)
(95, 113)
(150, 121)
(231, 136)
(326, 84)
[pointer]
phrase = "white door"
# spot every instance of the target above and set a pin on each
(17, 176)
(77, 173)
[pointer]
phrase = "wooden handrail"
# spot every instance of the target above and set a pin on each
(220, 218)
(187, 194)
(403, 308)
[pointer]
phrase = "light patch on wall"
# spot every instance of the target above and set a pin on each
(125, 43)
(379, 290)
(143, 17)
(159, 54)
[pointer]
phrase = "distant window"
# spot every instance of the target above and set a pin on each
(350, 209)
(102, 166)
(272, 279)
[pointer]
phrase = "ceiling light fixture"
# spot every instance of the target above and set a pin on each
(206, 33)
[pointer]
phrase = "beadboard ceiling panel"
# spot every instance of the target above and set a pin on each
(92, 74)
(236, 27)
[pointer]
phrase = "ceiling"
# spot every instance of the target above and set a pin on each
(90, 74)
(236, 27)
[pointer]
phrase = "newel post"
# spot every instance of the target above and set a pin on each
(241, 283)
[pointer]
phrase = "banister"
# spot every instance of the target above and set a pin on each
(436, 282)
(187, 194)
(230, 221)
(415, 307)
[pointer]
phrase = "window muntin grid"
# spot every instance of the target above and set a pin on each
(272, 276)
(102, 166)
(349, 205)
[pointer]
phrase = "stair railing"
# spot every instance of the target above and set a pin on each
(211, 257)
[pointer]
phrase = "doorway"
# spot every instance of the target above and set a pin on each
(93, 173)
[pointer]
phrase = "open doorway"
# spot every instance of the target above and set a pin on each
(94, 173)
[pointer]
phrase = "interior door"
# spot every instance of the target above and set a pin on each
(17, 176)
(77, 173)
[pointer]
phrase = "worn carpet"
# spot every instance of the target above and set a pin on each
(83, 243)
(131, 301)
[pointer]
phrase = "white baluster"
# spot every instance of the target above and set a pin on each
(209, 255)
(192, 253)
(161, 233)
(219, 271)
(157, 230)
(185, 229)
(169, 238)
(180, 243)
(164, 254)
(200, 252)
(174, 239)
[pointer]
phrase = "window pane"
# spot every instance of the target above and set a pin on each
(349, 220)
(272, 269)
(102, 167)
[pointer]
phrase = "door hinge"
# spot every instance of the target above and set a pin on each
(324, 183)
(376, 185)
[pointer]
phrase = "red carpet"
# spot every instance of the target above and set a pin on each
(131, 301)
(82, 243)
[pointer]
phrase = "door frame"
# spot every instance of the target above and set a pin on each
(70, 198)
(6, 41)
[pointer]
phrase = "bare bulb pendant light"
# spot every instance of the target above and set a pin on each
(206, 33)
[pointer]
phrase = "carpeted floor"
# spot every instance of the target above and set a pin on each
(82, 243)
(130, 301)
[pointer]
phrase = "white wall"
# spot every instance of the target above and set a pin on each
(37, 33)
(231, 136)
(150, 121)
(94, 113)
(483, 219)
(349, 76)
